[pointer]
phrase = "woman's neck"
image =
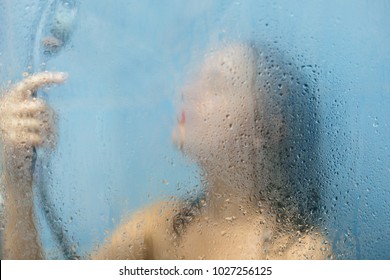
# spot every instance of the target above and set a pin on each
(231, 193)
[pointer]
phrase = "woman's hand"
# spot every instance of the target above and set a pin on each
(26, 121)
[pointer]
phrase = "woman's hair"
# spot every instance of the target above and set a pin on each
(286, 124)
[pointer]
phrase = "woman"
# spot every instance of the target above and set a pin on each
(244, 119)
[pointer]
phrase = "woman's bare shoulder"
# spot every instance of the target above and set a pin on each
(133, 238)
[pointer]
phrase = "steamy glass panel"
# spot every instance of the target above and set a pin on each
(194, 130)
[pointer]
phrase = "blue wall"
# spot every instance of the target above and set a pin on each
(127, 60)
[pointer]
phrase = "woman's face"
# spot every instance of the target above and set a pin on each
(217, 107)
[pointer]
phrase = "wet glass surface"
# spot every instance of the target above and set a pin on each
(261, 127)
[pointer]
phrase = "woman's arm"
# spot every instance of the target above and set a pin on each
(25, 123)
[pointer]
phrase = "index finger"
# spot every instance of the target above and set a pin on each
(25, 88)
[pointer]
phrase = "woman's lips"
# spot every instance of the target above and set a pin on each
(182, 121)
(182, 130)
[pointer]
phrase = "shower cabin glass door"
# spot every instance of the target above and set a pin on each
(195, 123)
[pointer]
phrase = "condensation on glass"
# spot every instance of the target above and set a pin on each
(213, 130)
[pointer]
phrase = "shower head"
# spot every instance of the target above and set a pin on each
(59, 26)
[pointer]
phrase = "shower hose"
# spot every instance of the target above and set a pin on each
(53, 34)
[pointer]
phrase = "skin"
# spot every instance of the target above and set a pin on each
(229, 225)
(25, 122)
